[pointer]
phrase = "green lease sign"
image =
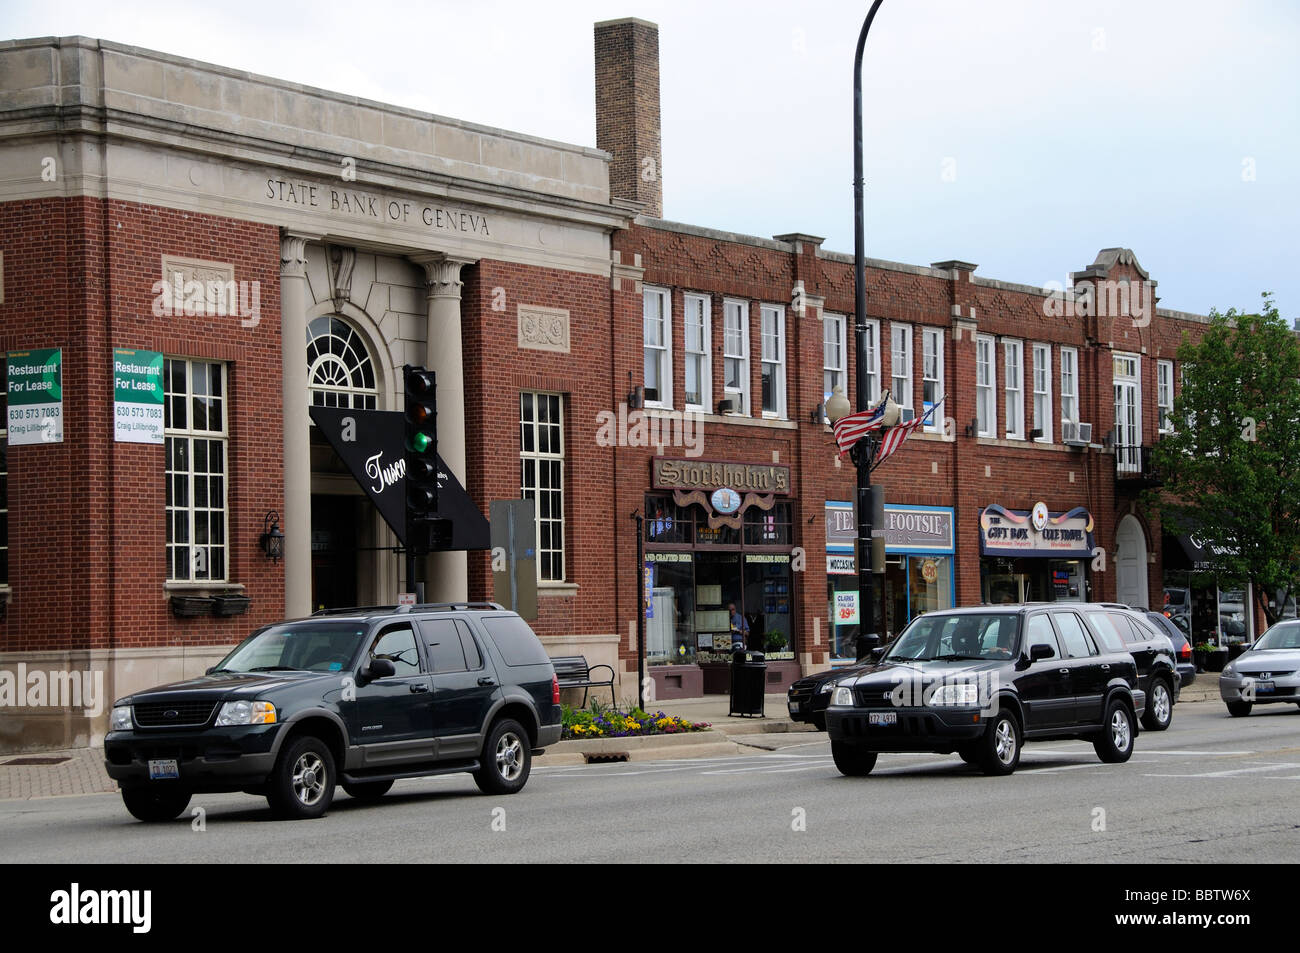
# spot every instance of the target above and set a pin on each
(137, 396)
(35, 388)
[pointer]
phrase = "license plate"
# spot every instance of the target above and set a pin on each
(1263, 688)
(794, 708)
(164, 770)
(882, 718)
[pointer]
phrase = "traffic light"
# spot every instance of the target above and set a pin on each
(425, 532)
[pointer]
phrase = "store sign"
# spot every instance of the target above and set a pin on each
(1006, 532)
(35, 388)
(725, 500)
(846, 608)
(137, 396)
(837, 565)
(709, 475)
(908, 529)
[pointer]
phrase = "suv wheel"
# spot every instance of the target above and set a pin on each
(1160, 707)
(999, 749)
(1115, 743)
(507, 759)
(852, 761)
(1238, 709)
(367, 790)
(970, 753)
(301, 785)
(154, 804)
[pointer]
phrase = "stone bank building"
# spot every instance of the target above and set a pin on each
(334, 239)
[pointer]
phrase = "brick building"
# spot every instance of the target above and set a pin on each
(265, 246)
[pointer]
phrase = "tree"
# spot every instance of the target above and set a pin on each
(1231, 468)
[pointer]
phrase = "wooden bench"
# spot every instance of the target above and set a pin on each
(572, 671)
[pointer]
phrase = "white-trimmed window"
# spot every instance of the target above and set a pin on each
(699, 372)
(900, 368)
(1069, 386)
(986, 384)
(1165, 395)
(735, 353)
(340, 371)
(1043, 392)
(932, 375)
(196, 469)
(1013, 376)
(541, 476)
(1126, 376)
(657, 321)
(873, 361)
(772, 325)
(834, 362)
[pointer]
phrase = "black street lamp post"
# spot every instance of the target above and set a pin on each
(865, 450)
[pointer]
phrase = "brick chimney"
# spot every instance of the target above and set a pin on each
(627, 110)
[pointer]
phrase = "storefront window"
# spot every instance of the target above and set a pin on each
(670, 623)
(767, 604)
(768, 528)
(929, 582)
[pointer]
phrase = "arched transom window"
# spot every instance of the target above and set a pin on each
(340, 371)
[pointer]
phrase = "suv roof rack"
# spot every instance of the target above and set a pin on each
(353, 610)
(450, 606)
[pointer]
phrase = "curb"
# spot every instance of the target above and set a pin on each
(704, 744)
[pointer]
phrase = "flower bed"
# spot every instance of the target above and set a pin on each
(600, 721)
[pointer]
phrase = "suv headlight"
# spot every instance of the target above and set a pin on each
(122, 720)
(826, 687)
(843, 696)
(966, 696)
(246, 713)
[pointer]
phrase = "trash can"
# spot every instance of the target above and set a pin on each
(748, 683)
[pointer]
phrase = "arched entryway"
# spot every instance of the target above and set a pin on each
(1131, 563)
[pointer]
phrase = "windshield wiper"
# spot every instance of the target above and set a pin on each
(957, 658)
(275, 668)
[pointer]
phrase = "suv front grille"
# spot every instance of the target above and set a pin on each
(174, 714)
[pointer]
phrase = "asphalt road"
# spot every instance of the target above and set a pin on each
(1212, 789)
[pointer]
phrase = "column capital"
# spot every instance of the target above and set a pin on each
(442, 273)
(293, 253)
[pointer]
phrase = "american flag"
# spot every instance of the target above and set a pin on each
(849, 430)
(895, 436)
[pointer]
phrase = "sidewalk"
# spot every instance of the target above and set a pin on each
(81, 770)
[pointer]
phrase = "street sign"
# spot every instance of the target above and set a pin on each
(370, 444)
(35, 388)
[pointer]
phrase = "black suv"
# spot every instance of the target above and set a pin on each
(980, 682)
(357, 697)
(1128, 628)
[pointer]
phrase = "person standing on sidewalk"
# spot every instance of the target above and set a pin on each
(739, 629)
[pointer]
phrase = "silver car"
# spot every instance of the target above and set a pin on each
(1269, 671)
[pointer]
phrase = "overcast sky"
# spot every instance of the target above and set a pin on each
(1020, 135)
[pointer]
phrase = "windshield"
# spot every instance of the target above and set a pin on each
(1285, 635)
(302, 646)
(952, 637)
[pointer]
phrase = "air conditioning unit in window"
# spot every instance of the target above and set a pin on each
(1076, 434)
(905, 414)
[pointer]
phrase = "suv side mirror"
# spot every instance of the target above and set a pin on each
(1040, 651)
(381, 668)
(878, 651)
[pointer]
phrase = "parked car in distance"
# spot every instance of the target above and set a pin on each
(357, 698)
(1127, 628)
(1266, 673)
(980, 682)
(1182, 647)
(808, 698)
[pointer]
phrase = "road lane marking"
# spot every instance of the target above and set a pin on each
(1235, 772)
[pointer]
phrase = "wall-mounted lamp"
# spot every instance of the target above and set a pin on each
(272, 540)
(635, 394)
(818, 415)
(973, 427)
(1109, 440)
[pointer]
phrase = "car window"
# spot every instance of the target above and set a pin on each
(1040, 633)
(443, 644)
(1113, 630)
(398, 646)
(515, 641)
(1073, 638)
(473, 657)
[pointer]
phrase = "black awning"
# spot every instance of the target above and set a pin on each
(1196, 553)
